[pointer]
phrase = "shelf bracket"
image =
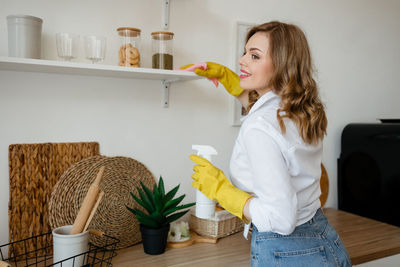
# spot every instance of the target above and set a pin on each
(166, 14)
(165, 88)
(165, 83)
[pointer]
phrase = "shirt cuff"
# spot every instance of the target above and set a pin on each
(258, 217)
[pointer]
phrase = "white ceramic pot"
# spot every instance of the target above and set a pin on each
(24, 36)
(66, 245)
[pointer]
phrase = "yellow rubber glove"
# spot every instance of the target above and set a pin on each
(224, 75)
(212, 182)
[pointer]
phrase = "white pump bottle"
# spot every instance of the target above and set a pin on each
(205, 207)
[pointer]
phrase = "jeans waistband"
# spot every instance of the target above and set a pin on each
(318, 218)
(318, 214)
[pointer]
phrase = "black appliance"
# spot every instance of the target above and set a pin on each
(369, 171)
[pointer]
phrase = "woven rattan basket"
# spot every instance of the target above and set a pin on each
(223, 225)
(121, 176)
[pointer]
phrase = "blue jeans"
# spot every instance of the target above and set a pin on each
(314, 243)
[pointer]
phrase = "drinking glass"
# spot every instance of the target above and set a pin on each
(95, 48)
(67, 45)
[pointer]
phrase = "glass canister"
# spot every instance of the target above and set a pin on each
(162, 47)
(129, 54)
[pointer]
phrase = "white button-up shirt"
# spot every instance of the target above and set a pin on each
(280, 170)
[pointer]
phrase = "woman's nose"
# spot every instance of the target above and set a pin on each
(241, 60)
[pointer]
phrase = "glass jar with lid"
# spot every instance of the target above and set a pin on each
(162, 47)
(129, 54)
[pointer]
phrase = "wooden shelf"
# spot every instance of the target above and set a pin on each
(76, 68)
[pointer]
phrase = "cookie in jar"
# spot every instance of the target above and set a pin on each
(129, 54)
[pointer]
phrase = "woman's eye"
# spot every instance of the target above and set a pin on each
(254, 57)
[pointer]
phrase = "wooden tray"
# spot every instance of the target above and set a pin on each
(195, 238)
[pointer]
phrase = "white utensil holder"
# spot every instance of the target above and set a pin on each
(66, 246)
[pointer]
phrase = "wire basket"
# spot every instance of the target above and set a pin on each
(41, 256)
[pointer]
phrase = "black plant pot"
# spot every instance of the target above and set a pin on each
(154, 240)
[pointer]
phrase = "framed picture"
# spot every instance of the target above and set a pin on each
(241, 31)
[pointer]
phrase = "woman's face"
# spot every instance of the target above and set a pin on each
(256, 64)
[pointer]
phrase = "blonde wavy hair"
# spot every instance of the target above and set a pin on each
(293, 80)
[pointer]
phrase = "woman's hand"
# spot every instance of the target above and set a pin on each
(212, 182)
(224, 75)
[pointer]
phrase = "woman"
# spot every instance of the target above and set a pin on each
(275, 165)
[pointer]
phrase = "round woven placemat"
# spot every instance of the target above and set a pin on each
(61, 208)
(121, 176)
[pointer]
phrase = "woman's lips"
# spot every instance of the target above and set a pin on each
(244, 75)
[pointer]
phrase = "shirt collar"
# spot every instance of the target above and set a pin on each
(260, 102)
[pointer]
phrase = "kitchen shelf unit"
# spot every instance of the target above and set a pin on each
(166, 77)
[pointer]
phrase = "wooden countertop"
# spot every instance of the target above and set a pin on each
(365, 240)
(233, 250)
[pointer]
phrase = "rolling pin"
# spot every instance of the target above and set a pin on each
(87, 204)
(93, 211)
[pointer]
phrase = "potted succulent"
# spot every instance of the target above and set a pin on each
(159, 210)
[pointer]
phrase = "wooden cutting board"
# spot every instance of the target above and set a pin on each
(33, 171)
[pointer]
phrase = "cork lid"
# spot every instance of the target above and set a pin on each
(162, 35)
(128, 31)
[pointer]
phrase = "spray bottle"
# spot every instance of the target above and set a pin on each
(205, 207)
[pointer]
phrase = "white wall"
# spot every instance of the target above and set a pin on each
(355, 45)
